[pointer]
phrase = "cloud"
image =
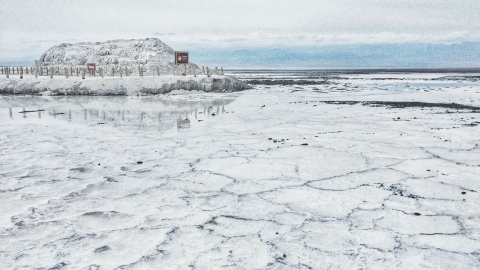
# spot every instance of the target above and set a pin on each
(263, 38)
(163, 34)
(183, 24)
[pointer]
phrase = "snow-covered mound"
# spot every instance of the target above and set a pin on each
(149, 53)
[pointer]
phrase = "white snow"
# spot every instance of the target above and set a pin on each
(200, 180)
(149, 53)
(132, 85)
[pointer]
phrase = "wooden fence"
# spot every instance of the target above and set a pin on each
(105, 71)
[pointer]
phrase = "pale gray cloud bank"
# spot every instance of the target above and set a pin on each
(29, 27)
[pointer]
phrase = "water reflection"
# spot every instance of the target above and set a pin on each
(123, 112)
(183, 123)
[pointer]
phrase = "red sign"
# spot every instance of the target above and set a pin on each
(91, 66)
(181, 57)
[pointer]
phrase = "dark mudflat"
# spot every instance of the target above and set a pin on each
(407, 104)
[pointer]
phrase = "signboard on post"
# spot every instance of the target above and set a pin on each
(181, 58)
(91, 66)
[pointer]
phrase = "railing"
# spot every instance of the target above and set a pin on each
(107, 71)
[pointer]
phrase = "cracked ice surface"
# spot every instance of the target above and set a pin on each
(270, 178)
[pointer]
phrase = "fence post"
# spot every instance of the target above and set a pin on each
(26, 70)
(51, 72)
(83, 73)
(208, 72)
(195, 71)
(121, 70)
(127, 71)
(36, 72)
(222, 71)
(203, 69)
(158, 71)
(101, 72)
(65, 70)
(7, 71)
(21, 73)
(77, 71)
(113, 71)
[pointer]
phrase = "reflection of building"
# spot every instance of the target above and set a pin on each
(183, 123)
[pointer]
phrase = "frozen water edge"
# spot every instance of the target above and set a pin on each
(374, 188)
(115, 86)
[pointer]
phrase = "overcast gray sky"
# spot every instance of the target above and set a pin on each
(29, 27)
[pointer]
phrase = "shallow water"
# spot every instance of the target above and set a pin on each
(123, 112)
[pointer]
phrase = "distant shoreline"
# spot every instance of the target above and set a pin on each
(361, 70)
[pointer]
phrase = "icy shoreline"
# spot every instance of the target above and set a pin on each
(98, 86)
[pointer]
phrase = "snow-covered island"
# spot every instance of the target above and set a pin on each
(61, 70)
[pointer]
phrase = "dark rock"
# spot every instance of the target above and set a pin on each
(463, 192)
(417, 214)
(96, 213)
(139, 162)
(58, 266)
(111, 179)
(20, 223)
(304, 144)
(102, 249)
